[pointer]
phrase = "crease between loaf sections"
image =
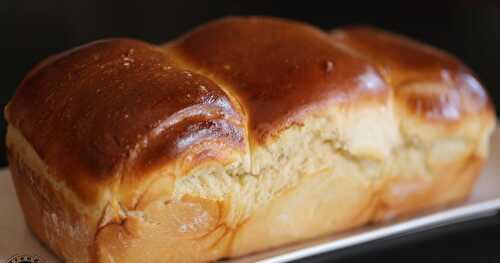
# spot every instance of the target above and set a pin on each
(235, 124)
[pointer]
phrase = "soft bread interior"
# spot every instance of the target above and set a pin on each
(370, 144)
(326, 143)
(341, 165)
(345, 164)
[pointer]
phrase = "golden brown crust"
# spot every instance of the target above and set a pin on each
(52, 218)
(407, 195)
(145, 149)
(451, 90)
(119, 107)
(198, 234)
(278, 69)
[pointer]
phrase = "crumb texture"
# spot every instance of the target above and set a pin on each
(242, 135)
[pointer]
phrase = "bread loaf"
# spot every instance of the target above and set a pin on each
(242, 135)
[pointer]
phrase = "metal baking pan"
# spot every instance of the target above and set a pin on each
(15, 238)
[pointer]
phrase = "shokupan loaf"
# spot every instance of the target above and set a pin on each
(242, 135)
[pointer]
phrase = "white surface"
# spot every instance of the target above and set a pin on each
(15, 238)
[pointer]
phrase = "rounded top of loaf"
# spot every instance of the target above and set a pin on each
(431, 83)
(278, 69)
(118, 109)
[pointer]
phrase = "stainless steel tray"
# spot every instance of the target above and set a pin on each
(15, 238)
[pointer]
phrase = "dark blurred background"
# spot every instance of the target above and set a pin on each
(32, 30)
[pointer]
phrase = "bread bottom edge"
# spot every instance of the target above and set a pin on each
(319, 204)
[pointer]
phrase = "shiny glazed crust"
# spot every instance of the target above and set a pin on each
(245, 134)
